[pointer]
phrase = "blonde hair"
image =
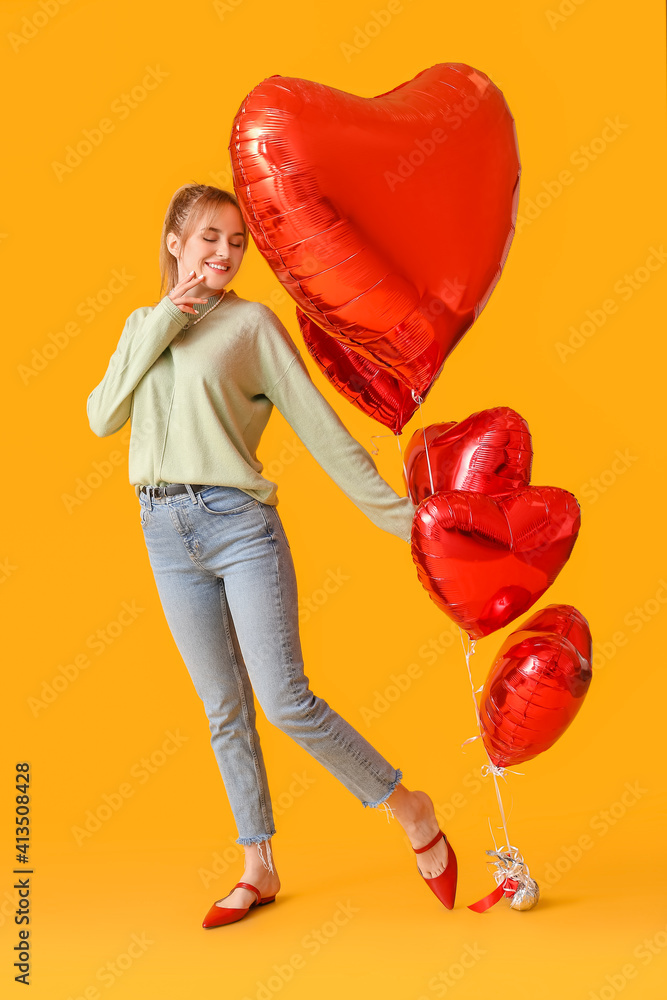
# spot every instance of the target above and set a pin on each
(187, 208)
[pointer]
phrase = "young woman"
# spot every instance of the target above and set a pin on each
(199, 374)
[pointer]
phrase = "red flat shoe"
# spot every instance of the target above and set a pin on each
(219, 915)
(444, 884)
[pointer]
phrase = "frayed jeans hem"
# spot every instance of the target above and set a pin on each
(397, 779)
(245, 841)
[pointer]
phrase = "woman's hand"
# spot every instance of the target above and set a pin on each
(179, 296)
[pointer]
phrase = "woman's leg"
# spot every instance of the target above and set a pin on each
(194, 605)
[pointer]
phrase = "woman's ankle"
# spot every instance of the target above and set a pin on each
(259, 861)
(404, 804)
(266, 882)
(414, 810)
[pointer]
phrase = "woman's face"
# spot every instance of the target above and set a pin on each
(216, 252)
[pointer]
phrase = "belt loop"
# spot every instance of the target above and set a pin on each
(191, 492)
(149, 494)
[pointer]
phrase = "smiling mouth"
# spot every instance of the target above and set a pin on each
(217, 267)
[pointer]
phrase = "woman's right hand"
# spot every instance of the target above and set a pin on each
(179, 293)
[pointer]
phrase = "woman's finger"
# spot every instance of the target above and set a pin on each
(191, 279)
(178, 293)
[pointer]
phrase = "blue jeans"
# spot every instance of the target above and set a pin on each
(225, 576)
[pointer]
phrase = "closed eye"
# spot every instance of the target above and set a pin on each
(237, 245)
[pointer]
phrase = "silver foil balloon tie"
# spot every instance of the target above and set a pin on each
(510, 868)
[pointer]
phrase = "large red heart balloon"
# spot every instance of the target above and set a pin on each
(488, 452)
(388, 219)
(372, 389)
(536, 685)
(485, 561)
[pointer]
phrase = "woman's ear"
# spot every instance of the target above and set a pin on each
(173, 244)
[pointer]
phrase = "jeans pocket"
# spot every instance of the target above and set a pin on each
(225, 500)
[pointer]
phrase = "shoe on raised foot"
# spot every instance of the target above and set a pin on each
(444, 884)
(219, 915)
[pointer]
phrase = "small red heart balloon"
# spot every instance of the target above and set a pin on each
(536, 685)
(485, 561)
(388, 219)
(488, 452)
(372, 389)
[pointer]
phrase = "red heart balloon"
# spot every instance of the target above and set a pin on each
(388, 219)
(488, 452)
(373, 390)
(484, 561)
(536, 685)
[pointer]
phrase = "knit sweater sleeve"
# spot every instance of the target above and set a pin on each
(340, 455)
(148, 332)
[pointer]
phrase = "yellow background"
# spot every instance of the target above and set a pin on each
(67, 570)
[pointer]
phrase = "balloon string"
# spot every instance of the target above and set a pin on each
(376, 450)
(468, 652)
(489, 768)
(400, 451)
(493, 836)
(419, 400)
(428, 460)
(502, 811)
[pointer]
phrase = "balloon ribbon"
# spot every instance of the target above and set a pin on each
(506, 888)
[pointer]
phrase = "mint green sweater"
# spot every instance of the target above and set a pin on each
(199, 397)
